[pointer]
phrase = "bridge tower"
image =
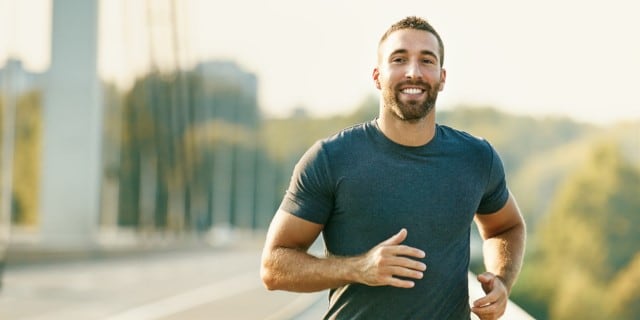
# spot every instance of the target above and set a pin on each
(72, 140)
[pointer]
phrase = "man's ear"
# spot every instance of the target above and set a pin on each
(443, 79)
(376, 75)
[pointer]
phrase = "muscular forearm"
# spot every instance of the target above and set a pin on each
(503, 254)
(296, 270)
(388, 264)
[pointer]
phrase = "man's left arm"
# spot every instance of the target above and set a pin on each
(504, 235)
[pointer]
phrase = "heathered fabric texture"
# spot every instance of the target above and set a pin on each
(364, 188)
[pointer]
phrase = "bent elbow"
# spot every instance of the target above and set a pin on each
(269, 278)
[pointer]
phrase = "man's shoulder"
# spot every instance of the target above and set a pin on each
(454, 135)
(347, 135)
(338, 143)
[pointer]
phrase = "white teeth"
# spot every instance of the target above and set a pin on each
(411, 91)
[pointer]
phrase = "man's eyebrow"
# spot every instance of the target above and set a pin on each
(423, 52)
(398, 51)
(429, 53)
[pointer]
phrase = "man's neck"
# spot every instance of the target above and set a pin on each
(408, 133)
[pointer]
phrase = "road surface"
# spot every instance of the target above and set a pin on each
(193, 284)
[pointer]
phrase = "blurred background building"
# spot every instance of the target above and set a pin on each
(177, 153)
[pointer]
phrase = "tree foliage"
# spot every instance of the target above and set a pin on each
(517, 138)
(26, 157)
(589, 237)
(27, 154)
(623, 300)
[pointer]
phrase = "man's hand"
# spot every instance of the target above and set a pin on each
(493, 305)
(387, 261)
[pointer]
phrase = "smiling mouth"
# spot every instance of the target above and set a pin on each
(412, 91)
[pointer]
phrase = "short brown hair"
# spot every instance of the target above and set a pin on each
(416, 23)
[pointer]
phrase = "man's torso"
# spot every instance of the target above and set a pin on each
(378, 187)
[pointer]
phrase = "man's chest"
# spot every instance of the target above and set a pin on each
(410, 187)
(435, 198)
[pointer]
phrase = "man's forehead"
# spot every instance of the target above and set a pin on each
(409, 39)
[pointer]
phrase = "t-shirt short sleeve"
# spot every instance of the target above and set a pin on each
(310, 195)
(496, 193)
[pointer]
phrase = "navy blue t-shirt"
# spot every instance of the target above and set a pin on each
(364, 188)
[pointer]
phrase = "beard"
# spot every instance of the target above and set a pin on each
(412, 110)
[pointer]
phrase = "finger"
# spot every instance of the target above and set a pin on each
(486, 300)
(485, 277)
(396, 238)
(407, 263)
(488, 312)
(400, 283)
(492, 297)
(492, 311)
(402, 250)
(487, 280)
(406, 273)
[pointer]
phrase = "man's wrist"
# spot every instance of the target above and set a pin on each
(352, 270)
(345, 269)
(505, 283)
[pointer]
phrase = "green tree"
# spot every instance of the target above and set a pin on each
(624, 292)
(590, 233)
(26, 163)
(517, 138)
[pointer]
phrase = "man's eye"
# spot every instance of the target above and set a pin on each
(397, 60)
(428, 61)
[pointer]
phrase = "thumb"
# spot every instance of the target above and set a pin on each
(397, 238)
(486, 279)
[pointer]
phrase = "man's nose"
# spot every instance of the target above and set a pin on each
(413, 71)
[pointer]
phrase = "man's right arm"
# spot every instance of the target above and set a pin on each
(286, 264)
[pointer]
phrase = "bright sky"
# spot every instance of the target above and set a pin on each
(577, 58)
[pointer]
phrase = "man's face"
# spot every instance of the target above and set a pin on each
(409, 73)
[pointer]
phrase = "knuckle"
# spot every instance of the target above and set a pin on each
(384, 250)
